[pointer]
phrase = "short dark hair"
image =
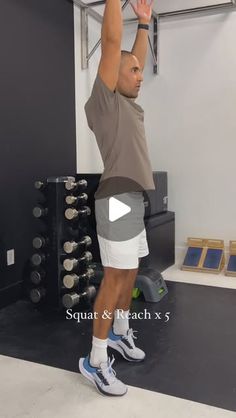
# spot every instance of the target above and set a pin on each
(124, 52)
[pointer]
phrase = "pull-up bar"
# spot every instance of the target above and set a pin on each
(87, 10)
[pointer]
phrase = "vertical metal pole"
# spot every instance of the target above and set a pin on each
(155, 46)
(84, 38)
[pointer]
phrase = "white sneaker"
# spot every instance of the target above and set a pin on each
(125, 345)
(103, 377)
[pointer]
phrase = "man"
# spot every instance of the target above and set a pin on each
(117, 122)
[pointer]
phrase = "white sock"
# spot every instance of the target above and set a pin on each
(99, 352)
(121, 322)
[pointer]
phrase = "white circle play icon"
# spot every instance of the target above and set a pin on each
(117, 209)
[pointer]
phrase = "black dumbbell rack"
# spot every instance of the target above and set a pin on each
(61, 214)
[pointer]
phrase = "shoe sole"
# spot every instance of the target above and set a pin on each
(116, 347)
(84, 372)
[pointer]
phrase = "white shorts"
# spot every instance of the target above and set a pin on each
(123, 254)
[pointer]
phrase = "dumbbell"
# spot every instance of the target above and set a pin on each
(40, 185)
(72, 185)
(72, 280)
(37, 294)
(38, 258)
(71, 264)
(40, 212)
(36, 276)
(71, 299)
(75, 200)
(40, 242)
(71, 246)
(74, 214)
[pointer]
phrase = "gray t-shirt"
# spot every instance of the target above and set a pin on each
(118, 125)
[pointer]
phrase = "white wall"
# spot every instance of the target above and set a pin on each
(189, 119)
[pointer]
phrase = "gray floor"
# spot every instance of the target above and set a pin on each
(31, 390)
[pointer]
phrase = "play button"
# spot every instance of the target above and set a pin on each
(117, 209)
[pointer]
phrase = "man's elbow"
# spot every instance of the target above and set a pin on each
(111, 39)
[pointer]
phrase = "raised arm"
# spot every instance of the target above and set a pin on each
(111, 43)
(143, 10)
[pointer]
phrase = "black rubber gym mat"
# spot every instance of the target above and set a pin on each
(191, 356)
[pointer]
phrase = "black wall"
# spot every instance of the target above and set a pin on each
(37, 120)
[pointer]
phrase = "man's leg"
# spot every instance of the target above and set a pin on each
(121, 320)
(113, 285)
(126, 296)
(96, 366)
(121, 326)
(121, 336)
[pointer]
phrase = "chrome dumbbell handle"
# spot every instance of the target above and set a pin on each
(86, 256)
(90, 292)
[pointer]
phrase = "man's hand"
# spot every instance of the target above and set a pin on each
(143, 10)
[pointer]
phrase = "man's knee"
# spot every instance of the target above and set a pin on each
(115, 272)
(115, 278)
